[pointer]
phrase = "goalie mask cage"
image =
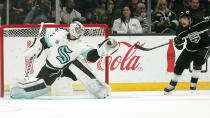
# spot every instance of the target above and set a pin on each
(14, 39)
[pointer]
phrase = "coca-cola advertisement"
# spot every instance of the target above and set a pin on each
(170, 56)
(130, 64)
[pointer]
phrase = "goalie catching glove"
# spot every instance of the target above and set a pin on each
(108, 47)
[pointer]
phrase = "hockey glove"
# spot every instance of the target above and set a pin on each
(179, 43)
(108, 47)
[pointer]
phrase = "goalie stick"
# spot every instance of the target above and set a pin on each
(148, 49)
(31, 60)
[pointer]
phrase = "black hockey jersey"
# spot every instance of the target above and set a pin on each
(196, 35)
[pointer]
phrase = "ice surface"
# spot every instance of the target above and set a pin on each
(181, 104)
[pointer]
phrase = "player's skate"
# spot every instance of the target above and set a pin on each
(168, 89)
(193, 88)
(194, 80)
(172, 84)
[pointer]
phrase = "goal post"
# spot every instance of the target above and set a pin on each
(14, 39)
(1, 64)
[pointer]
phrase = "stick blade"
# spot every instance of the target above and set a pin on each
(142, 48)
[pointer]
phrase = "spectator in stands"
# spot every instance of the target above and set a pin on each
(2, 12)
(153, 4)
(164, 20)
(141, 15)
(197, 11)
(82, 5)
(69, 13)
(180, 5)
(19, 9)
(89, 17)
(120, 3)
(16, 12)
(127, 24)
(111, 13)
(133, 4)
(28, 5)
(100, 10)
(52, 18)
(39, 14)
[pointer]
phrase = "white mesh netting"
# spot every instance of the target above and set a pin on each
(32, 32)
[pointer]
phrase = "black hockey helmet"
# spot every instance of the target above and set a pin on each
(185, 13)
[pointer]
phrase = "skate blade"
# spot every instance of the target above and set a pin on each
(193, 92)
(167, 93)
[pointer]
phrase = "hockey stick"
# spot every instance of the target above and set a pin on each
(31, 60)
(148, 49)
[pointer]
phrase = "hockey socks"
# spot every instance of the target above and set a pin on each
(194, 79)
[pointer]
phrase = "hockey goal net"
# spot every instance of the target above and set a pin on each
(14, 39)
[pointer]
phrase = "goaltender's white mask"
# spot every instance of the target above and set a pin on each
(76, 29)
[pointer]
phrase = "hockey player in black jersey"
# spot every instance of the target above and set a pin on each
(196, 51)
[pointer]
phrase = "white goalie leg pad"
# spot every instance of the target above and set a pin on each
(93, 85)
(29, 90)
(62, 87)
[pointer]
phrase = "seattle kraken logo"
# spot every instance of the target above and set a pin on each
(63, 52)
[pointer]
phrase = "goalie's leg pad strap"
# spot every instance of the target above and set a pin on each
(29, 90)
(84, 68)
